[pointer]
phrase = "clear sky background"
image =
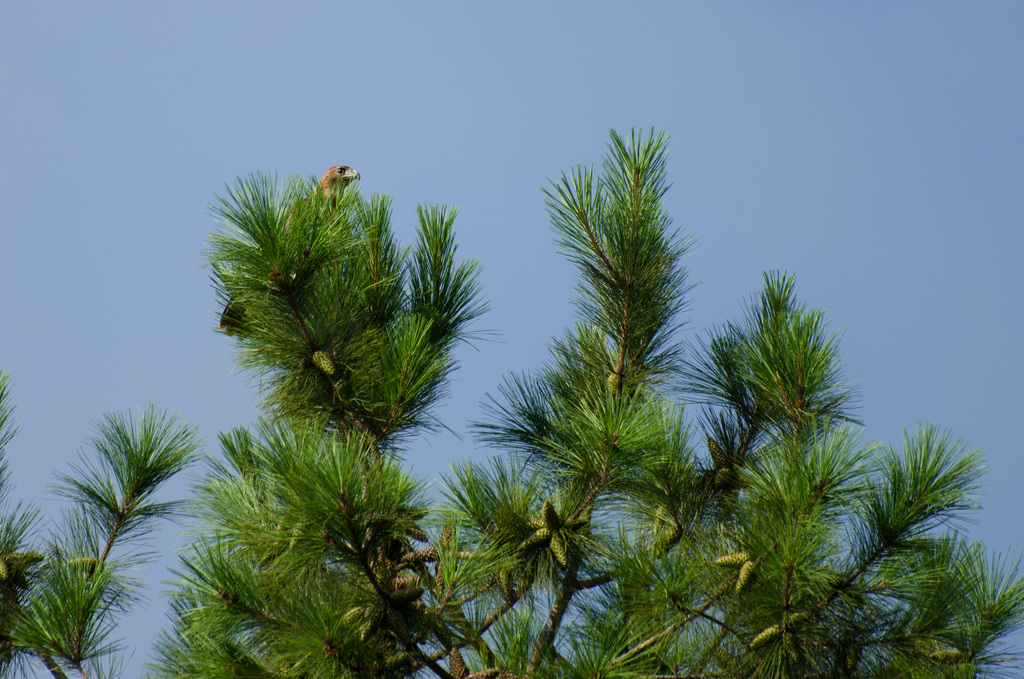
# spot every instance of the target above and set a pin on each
(876, 150)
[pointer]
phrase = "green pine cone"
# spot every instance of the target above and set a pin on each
(19, 560)
(539, 537)
(558, 549)
(352, 616)
(667, 540)
(948, 657)
(396, 621)
(323, 361)
(550, 516)
(576, 524)
(439, 576)
(765, 636)
(792, 650)
(735, 559)
(85, 563)
(456, 665)
(747, 576)
(416, 533)
(375, 613)
(725, 478)
(798, 619)
(368, 629)
(506, 585)
(406, 596)
(717, 454)
(395, 661)
(404, 582)
(612, 382)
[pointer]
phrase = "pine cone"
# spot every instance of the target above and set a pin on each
(368, 629)
(439, 576)
(404, 597)
(403, 582)
(734, 559)
(798, 619)
(947, 657)
(725, 478)
(506, 585)
(558, 549)
(667, 540)
(85, 563)
(323, 361)
(353, 615)
(456, 665)
(19, 560)
(539, 537)
(396, 620)
(416, 533)
(717, 454)
(419, 556)
(765, 636)
(747, 576)
(550, 516)
(396, 661)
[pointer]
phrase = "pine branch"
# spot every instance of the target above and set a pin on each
(51, 665)
(496, 615)
(646, 643)
(624, 328)
(597, 581)
(595, 246)
(547, 636)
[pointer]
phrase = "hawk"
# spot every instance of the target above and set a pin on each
(232, 319)
(337, 177)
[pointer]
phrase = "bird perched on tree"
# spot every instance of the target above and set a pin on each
(337, 177)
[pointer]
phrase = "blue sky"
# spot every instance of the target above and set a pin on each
(873, 149)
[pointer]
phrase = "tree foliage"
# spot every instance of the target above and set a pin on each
(338, 322)
(612, 535)
(66, 586)
(755, 533)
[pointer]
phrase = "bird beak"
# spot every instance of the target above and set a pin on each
(350, 174)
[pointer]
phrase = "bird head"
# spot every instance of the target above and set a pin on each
(337, 177)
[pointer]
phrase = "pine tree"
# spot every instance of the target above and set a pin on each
(758, 534)
(65, 588)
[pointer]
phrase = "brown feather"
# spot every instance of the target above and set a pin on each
(338, 176)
